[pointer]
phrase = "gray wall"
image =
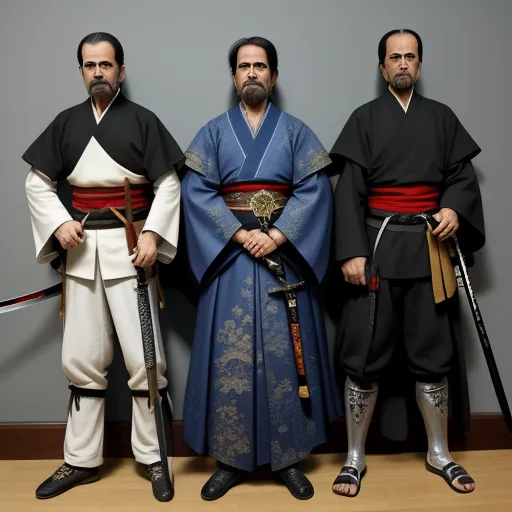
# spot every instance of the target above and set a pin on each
(176, 66)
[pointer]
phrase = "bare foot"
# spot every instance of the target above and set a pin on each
(348, 482)
(455, 476)
(345, 489)
(467, 487)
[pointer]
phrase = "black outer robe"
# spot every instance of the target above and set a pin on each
(382, 145)
(130, 134)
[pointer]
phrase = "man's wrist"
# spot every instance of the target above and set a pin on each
(151, 234)
(277, 235)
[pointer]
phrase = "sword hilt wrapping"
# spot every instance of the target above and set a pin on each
(371, 273)
(146, 324)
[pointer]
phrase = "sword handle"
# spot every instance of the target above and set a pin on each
(131, 237)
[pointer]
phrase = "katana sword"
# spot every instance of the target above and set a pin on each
(148, 342)
(33, 298)
(461, 273)
(263, 205)
(30, 298)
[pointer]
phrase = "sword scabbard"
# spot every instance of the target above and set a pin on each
(131, 237)
(276, 268)
(62, 309)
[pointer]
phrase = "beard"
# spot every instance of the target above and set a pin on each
(402, 81)
(254, 94)
(101, 88)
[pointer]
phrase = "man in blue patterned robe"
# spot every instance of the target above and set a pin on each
(242, 403)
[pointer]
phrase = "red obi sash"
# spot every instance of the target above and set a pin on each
(97, 198)
(407, 199)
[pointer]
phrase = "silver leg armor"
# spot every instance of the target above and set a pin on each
(432, 400)
(359, 407)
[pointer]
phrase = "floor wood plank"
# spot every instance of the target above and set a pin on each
(396, 483)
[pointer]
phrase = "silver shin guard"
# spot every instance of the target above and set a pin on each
(432, 400)
(359, 407)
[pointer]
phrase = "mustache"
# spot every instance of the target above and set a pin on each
(99, 82)
(253, 82)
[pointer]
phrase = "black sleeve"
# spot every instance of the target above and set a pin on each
(462, 194)
(352, 142)
(161, 151)
(350, 199)
(461, 145)
(45, 153)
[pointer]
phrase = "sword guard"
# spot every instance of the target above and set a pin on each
(287, 288)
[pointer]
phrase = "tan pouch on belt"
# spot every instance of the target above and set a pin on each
(444, 282)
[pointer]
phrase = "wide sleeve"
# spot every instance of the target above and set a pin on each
(161, 151)
(309, 156)
(352, 143)
(461, 145)
(164, 215)
(306, 221)
(461, 193)
(45, 153)
(47, 213)
(350, 200)
(209, 224)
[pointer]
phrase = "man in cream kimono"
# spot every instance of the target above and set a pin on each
(95, 146)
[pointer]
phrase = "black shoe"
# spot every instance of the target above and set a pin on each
(297, 483)
(65, 478)
(163, 489)
(220, 483)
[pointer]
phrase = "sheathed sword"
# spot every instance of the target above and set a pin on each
(461, 273)
(148, 341)
(263, 205)
(33, 298)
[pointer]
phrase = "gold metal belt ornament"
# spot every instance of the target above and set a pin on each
(263, 202)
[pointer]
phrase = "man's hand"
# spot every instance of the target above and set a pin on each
(353, 270)
(448, 224)
(146, 252)
(240, 236)
(259, 244)
(70, 234)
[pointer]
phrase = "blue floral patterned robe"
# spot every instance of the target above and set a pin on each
(242, 404)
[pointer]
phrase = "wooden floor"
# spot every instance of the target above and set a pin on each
(393, 482)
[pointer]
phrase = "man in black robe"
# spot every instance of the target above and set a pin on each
(403, 155)
(95, 146)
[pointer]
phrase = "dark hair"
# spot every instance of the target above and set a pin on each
(101, 37)
(269, 48)
(385, 37)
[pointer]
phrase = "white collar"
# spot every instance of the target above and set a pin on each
(398, 99)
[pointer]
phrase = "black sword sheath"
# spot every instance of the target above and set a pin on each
(461, 273)
(148, 342)
(263, 205)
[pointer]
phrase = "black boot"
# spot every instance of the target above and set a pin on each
(297, 483)
(65, 478)
(220, 482)
(163, 489)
